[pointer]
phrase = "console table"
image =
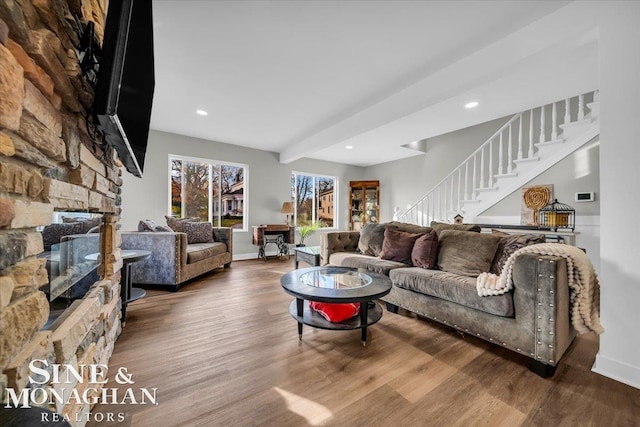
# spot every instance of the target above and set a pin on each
(127, 292)
(568, 237)
(280, 234)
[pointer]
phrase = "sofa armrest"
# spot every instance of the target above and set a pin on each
(168, 256)
(337, 241)
(541, 300)
(224, 235)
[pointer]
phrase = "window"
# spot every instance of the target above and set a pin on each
(313, 199)
(209, 190)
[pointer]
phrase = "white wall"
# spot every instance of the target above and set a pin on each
(579, 171)
(405, 181)
(269, 184)
(619, 48)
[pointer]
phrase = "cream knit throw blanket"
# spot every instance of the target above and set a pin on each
(583, 283)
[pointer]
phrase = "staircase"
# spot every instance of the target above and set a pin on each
(527, 145)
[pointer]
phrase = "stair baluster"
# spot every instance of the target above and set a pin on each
(520, 138)
(554, 122)
(471, 196)
(542, 124)
(530, 153)
(510, 153)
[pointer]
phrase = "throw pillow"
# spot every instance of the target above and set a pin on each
(441, 226)
(425, 251)
(465, 252)
(371, 237)
(147, 225)
(87, 223)
(198, 232)
(52, 233)
(397, 245)
(509, 243)
(409, 228)
(176, 224)
(335, 313)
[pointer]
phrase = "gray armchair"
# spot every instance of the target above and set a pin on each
(173, 261)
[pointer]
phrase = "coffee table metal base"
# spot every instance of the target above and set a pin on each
(302, 313)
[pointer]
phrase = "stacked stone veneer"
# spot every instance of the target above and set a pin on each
(49, 162)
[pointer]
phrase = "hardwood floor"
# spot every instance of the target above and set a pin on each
(224, 351)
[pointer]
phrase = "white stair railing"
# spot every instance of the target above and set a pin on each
(494, 159)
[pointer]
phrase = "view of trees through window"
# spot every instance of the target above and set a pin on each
(313, 198)
(208, 190)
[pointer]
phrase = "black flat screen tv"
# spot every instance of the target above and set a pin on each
(126, 81)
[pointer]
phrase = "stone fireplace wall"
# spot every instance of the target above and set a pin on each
(50, 162)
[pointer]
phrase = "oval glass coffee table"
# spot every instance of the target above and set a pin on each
(338, 285)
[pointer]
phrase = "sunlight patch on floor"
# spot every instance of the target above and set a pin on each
(315, 413)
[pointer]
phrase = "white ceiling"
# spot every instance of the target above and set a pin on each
(307, 78)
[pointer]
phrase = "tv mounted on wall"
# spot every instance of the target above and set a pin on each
(126, 81)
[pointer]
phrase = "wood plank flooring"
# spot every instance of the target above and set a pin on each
(224, 351)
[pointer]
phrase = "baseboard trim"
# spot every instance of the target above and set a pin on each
(242, 257)
(616, 370)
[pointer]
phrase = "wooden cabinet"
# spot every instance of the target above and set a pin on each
(364, 203)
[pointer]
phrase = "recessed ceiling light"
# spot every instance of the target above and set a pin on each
(348, 147)
(201, 113)
(471, 104)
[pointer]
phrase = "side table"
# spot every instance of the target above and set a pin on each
(308, 254)
(127, 292)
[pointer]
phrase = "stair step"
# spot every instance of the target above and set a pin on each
(594, 107)
(486, 189)
(572, 129)
(471, 202)
(506, 175)
(549, 143)
(525, 161)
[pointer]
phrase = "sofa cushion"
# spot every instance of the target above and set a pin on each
(466, 252)
(397, 245)
(198, 232)
(451, 287)
(371, 238)
(199, 251)
(425, 250)
(351, 259)
(441, 226)
(509, 243)
(409, 228)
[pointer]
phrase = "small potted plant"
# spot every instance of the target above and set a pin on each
(307, 230)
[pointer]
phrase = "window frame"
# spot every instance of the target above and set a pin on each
(211, 164)
(295, 174)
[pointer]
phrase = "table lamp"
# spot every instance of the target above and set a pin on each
(287, 209)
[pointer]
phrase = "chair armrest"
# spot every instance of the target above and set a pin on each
(224, 235)
(337, 241)
(168, 256)
(541, 304)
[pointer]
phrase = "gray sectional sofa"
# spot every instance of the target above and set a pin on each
(533, 319)
(173, 261)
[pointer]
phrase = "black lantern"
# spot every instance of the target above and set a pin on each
(557, 215)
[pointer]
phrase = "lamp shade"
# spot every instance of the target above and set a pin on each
(287, 208)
